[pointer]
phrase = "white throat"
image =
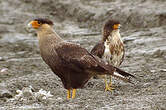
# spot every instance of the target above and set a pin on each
(115, 36)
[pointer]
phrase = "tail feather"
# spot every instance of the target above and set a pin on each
(110, 70)
(123, 73)
(122, 78)
(125, 79)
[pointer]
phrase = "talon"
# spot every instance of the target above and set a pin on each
(108, 87)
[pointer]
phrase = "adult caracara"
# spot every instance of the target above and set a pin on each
(110, 48)
(73, 64)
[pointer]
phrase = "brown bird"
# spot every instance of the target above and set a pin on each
(110, 48)
(73, 64)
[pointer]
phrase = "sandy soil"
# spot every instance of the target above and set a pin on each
(80, 21)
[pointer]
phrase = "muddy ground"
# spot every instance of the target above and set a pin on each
(80, 21)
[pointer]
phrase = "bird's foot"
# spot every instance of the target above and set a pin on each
(109, 88)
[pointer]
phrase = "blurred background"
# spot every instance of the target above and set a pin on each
(80, 21)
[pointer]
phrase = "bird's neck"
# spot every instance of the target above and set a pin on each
(115, 36)
(46, 32)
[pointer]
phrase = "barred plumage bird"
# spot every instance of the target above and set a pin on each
(110, 48)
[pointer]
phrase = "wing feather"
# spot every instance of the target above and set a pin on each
(81, 58)
(98, 49)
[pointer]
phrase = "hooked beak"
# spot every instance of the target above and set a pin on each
(34, 24)
(119, 26)
(30, 24)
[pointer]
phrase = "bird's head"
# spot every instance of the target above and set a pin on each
(40, 22)
(110, 26)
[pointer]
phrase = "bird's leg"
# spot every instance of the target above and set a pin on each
(68, 94)
(108, 86)
(110, 83)
(73, 93)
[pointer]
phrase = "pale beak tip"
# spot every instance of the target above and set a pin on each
(119, 26)
(29, 25)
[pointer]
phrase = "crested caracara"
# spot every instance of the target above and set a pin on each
(73, 64)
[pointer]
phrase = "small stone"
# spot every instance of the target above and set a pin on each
(3, 70)
(158, 53)
(152, 71)
(163, 70)
(5, 94)
(1, 58)
(59, 98)
(27, 92)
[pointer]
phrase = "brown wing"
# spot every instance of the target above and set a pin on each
(121, 51)
(122, 56)
(98, 49)
(71, 58)
(80, 58)
(73, 64)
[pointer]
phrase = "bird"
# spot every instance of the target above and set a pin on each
(73, 64)
(110, 48)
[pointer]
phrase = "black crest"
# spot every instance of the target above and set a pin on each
(44, 21)
(110, 23)
(108, 27)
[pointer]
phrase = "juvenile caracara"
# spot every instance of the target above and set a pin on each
(110, 48)
(73, 64)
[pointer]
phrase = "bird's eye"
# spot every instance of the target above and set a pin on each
(39, 22)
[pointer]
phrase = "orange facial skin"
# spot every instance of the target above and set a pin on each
(116, 26)
(34, 24)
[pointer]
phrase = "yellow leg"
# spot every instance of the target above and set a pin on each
(68, 94)
(110, 83)
(108, 87)
(73, 93)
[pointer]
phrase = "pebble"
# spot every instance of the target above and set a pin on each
(158, 53)
(3, 70)
(4, 93)
(152, 71)
(163, 70)
(1, 59)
